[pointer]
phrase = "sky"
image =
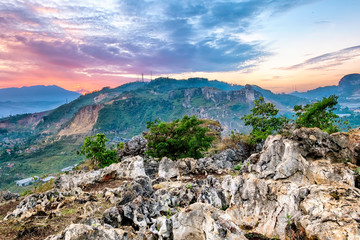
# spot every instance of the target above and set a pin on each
(281, 45)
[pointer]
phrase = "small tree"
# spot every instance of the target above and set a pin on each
(319, 114)
(178, 139)
(94, 148)
(263, 120)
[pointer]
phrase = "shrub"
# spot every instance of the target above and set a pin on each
(263, 120)
(178, 139)
(94, 148)
(319, 114)
(238, 167)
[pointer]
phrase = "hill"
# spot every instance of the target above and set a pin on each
(37, 144)
(33, 99)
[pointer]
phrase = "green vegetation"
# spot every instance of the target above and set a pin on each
(50, 158)
(94, 148)
(319, 114)
(178, 139)
(238, 167)
(188, 186)
(120, 145)
(335, 195)
(289, 218)
(263, 120)
(224, 207)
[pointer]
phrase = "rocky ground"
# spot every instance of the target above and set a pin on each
(303, 186)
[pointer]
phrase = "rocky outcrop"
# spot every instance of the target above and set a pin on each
(129, 168)
(203, 221)
(7, 196)
(298, 187)
(292, 182)
(245, 95)
(168, 168)
(134, 147)
(43, 204)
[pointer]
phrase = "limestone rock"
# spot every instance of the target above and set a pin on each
(168, 168)
(134, 147)
(7, 196)
(129, 168)
(151, 167)
(202, 221)
(112, 216)
(93, 232)
(162, 228)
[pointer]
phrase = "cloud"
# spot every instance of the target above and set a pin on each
(132, 36)
(328, 60)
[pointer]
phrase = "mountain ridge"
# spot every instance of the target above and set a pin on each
(33, 99)
(121, 113)
(348, 90)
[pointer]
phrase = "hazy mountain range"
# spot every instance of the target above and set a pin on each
(33, 99)
(348, 91)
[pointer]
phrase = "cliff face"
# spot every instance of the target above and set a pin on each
(245, 95)
(298, 187)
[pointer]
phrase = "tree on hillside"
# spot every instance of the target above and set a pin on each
(319, 114)
(263, 120)
(178, 139)
(94, 148)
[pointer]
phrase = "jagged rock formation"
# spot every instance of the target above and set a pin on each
(7, 196)
(301, 186)
(136, 146)
(217, 96)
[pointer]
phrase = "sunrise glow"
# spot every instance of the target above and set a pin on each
(87, 45)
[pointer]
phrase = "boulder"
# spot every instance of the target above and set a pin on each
(130, 168)
(201, 221)
(162, 228)
(134, 147)
(168, 168)
(141, 212)
(7, 196)
(151, 167)
(112, 216)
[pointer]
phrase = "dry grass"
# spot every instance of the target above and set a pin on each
(229, 142)
(87, 165)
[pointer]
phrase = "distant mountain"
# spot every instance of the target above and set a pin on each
(348, 91)
(317, 93)
(33, 99)
(284, 102)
